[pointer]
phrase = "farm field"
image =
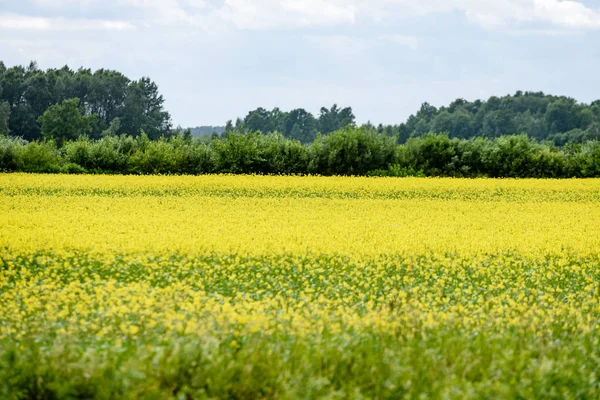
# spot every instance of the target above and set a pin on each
(244, 287)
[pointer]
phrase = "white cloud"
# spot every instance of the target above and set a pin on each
(20, 22)
(493, 14)
(567, 13)
(141, 11)
(269, 14)
(273, 14)
(295, 14)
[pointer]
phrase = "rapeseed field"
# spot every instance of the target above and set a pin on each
(245, 287)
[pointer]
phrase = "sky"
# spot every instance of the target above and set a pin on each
(215, 60)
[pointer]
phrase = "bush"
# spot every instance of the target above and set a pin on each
(157, 157)
(472, 155)
(38, 157)
(282, 156)
(10, 149)
(239, 153)
(197, 158)
(103, 155)
(512, 157)
(435, 155)
(71, 168)
(352, 151)
(346, 152)
(585, 160)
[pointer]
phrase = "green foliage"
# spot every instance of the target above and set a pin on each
(296, 124)
(10, 151)
(113, 128)
(4, 118)
(254, 153)
(283, 156)
(351, 152)
(576, 135)
(435, 364)
(104, 155)
(29, 92)
(507, 156)
(445, 361)
(435, 155)
(561, 115)
(585, 160)
(71, 168)
(155, 158)
(300, 125)
(334, 119)
(537, 115)
(192, 156)
(513, 156)
(66, 121)
(173, 156)
(143, 110)
(38, 157)
(239, 152)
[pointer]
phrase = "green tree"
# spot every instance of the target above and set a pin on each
(66, 121)
(228, 128)
(333, 119)
(4, 118)
(259, 120)
(106, 97)
(23, 122)
(143, 110)
(561, 116)
(113, 128)
(301, 125)
(458, 123)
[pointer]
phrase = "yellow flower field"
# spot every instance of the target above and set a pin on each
(298, 287)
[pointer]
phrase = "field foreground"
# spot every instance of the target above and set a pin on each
(298, 287)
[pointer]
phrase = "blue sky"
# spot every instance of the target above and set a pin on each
(215, 60)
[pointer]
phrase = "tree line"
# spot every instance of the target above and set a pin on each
(557, 119)
(61, 120)
(349, 151)
(560, 120)
(62, 104)
(296, 124)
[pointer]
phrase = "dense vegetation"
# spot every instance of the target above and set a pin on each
(351, 151)
(542, 117)
(559, 120)
(37, 104)
(297, 124)
(103, 122)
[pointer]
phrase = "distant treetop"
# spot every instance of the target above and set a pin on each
(28, 92)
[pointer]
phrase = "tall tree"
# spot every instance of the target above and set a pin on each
(259, 120)
(109, 94)
(333, 119)
(4, 118)
(301, 125)
(106, 98)
(144, 110)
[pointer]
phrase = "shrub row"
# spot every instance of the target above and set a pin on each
(346, 152)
